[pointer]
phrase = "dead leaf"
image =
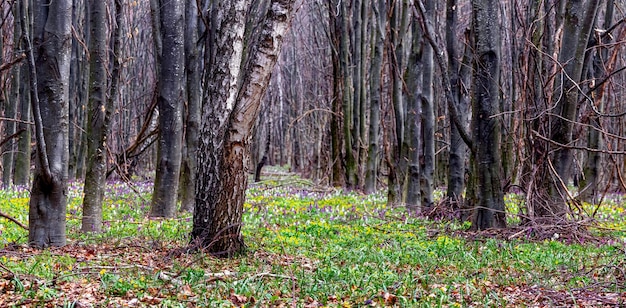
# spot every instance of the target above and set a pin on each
(390, 299)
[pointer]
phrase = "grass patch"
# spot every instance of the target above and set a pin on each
(308, 247)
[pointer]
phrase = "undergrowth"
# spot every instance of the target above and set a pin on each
(307, 247)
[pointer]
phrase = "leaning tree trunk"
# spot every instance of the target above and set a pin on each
(489, 212)
(230, 108)
(49, 91)
(171, 94)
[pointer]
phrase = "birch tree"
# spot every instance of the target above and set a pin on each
(235, 83)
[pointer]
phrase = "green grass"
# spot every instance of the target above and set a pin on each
(308, 248)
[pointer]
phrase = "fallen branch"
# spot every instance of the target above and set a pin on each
(268, 274)
(13, 220)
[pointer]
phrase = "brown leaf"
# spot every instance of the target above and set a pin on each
(390, 299)
(237, 300)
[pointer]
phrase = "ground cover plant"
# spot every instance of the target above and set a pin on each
(308, 247)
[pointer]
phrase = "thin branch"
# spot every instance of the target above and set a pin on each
(572, 147)
(7, 139)
(11, 63)
(3, 215)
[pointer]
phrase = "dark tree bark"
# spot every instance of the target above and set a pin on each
(10, 110)
(589, 186)
(414, 82)
(22, 157)
(427, 114)
(489, 212)
(554, 172)
(99, 111)
(338, 168)
(379, 24)
(171, 95)
(192, 112)
(230, 108)
(97, 118)
(458, 149)
(49, 83)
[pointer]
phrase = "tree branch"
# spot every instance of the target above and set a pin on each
(3, 215)
(7, 139)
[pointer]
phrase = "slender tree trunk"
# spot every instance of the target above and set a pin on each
(100, 108)
(489, 212)
(10, 111)
(591, 169)
(97, 118)
(458, 149)
(171, 95)
(22, 157)
(414, 82)
(52, 42)
(427, 168)
(338, 174)
(345, 61)
(230, 109)
(378, 40)
(193, 71)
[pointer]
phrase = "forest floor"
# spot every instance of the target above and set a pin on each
(311, 246)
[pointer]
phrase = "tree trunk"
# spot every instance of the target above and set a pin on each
(171, 94)
(378, 39)
(458, 149)
(591, 169)
(192, 65)
(22, 157)
(338, 174)
(427, 168)
(10, 111)
(228, 116)
(414, 97)
(489, 212)
(99, 111)
(578, 23)
(398, 162)
(52, 42)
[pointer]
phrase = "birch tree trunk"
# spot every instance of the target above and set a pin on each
(52, 42)
(230, 108)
